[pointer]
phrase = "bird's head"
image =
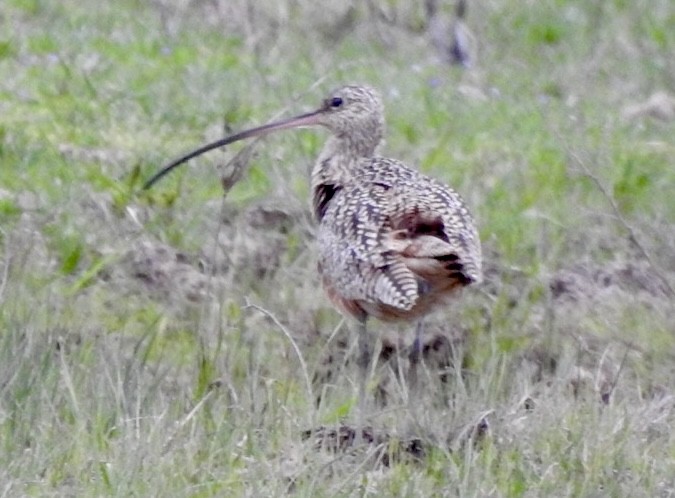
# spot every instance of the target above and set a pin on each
(354, 114)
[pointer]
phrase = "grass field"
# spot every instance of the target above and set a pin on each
(176, 343)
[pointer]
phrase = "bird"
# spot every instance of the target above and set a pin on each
(393, 244)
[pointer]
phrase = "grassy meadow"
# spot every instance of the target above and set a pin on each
(176, 342)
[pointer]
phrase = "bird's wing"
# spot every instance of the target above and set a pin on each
(426, 219)
(352, 256)
(390, 231)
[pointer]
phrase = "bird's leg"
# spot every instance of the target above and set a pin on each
(415, 358)
(364, 360)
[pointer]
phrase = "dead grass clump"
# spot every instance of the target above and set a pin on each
(593, 283)
(660, 105)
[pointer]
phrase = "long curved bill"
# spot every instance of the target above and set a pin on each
(308, 119)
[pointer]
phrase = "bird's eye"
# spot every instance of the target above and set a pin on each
(336, 102)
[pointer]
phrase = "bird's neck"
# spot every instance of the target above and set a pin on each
(336, 166)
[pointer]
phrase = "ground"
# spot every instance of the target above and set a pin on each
(175, 342)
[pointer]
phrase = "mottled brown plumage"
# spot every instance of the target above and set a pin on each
(393, 243)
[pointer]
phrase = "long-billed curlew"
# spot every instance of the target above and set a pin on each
(394, 244)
